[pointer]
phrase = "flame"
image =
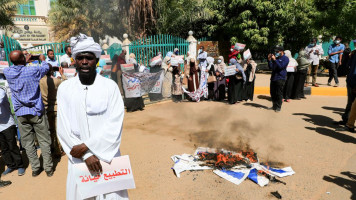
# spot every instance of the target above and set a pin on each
(227, 160)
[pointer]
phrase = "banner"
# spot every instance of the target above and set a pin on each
(201, 91)
(107, 71)
(116, 176)
(106, 58)
(3, 65)
(138, 84)
(247, 54)
(69, 72)
(230, 70)
(156, 61)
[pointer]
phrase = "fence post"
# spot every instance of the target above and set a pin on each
(192, 49)
(125, 46)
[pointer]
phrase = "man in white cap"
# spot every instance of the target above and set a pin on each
(90, 116)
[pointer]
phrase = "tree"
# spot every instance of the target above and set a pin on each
(101, 17)
(8, 9)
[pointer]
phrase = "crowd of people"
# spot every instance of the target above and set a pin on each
(37, 83)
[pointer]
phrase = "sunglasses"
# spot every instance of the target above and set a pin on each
(87, 57)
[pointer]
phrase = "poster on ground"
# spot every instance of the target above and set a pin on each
(116, 176)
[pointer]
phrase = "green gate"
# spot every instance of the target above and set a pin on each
(9, 45)
(148, 47)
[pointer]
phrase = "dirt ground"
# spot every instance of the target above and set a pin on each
(302, 136)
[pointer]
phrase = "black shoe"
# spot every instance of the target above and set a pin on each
(36, 173)
(50, 173)
(4, 183)
(303, 97)
(341, 123)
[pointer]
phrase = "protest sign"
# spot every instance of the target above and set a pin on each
(139, 84)
(230, 70)
(116, 176)
(130, 68)
(106, 58)
(156, 61)
(239, 46)
(69, 72)
(3, 65)
(247, 54)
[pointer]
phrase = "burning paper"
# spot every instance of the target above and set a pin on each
(232, 166)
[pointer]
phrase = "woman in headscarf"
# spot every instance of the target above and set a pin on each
(211, 79)
(167, 81)
(291, 68)
(121, 60)
(302, 70)
(134, 104)
(156, 96)
(192, 75)
(220, 84)
(250, 70)
(114, 68)
(236, 83)
(177, 90)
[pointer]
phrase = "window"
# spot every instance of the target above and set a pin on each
(27, 8)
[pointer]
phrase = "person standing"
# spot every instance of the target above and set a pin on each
(8, 143)
(299, 81)
(313, 52)
(192, 75)
(278, 63)
(67, 57)
(236, 83)
(335, 55)
(291, 68)
(351, 87)
(29, 109)
(220, 84)
(90, 117)
(250, 72)
(203, 64)
(177, 90)
(49, 86)
(168, 76)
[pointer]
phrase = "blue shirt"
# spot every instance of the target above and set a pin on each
(53, 62)
(24, 84)
(279, 68)
(334, 48)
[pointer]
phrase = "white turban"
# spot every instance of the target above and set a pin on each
(83, 43)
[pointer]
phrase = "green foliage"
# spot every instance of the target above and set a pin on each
(7, 11)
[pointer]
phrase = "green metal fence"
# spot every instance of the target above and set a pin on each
(148, 47)
(58, 49)
(114, 49)
(10, 44)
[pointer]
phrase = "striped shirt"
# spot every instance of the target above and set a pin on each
(24, 84)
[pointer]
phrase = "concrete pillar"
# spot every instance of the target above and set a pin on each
(125, 45)
(192, 45)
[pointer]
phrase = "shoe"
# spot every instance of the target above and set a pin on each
(336, 85)
(346, 128)
(50, 173)
(4, 183)
(303, 97)
(36, 173)
(277, 110)
(329, 84)
(8, 171)
(315, 85)
(341, 123)
(21, 171)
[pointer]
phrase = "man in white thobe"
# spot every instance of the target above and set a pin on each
(90, 116)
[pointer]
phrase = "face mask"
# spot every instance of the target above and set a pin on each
(219, 61)
(200, 50)
(278, 54)
(177, 52)
(337, 41)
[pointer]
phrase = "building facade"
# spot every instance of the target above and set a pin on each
(31, 23)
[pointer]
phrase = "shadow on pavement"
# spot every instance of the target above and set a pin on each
(255, 105)
(349, 184)
(264, 97)
(339, 111)
(336, 135)
(318, 120)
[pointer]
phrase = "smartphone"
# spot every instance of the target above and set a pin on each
(56, 69)
(35, 57)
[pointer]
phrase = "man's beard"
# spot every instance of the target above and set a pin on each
(87, 78)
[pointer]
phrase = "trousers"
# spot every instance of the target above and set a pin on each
(9, 149)
(312, 71)
(276, 90)
(333, 72)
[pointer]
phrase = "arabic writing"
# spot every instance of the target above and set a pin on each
(105, 176)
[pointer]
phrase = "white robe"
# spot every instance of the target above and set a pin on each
(92, 115)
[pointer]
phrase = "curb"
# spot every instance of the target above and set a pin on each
(320, 91)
